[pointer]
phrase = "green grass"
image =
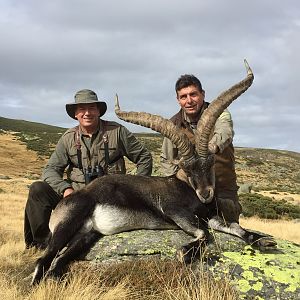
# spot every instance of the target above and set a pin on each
(29, 127)
(152, 143)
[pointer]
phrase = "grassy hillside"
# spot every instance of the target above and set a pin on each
(269, 169)
(274, 171)
(19, 167)
(42, 138)
(266, 169)
(37, 136)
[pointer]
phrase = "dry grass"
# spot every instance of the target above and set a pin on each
(286, 230)
(140, 280)
(16, 160)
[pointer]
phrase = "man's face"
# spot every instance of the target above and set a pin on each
(87, 114)
(191, 100)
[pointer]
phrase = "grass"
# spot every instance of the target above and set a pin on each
(38, 137)
(282, 229)
(153, 279)
(269, 169)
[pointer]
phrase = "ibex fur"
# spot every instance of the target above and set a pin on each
(117, 203)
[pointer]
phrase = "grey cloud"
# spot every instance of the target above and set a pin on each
(139, 49)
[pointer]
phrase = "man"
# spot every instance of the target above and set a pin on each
(89, 150)
(190, 97)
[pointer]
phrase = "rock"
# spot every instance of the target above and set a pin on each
(288, 199)
(245, 188)
(256, 274)
(5, 177)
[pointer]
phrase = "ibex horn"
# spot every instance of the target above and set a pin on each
(158, 124)
(216, 107)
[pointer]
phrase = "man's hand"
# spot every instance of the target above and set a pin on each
(213, 148)
(68, 191)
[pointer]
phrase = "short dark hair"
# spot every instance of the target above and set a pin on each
(187, 80)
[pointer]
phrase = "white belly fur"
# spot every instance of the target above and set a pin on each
(110, 220)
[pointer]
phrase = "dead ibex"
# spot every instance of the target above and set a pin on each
(117, 203)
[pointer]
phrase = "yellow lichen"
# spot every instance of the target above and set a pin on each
(282, 266)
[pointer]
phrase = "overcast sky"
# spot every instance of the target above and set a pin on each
(139, 48)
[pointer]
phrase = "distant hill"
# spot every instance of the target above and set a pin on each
(37, 136)
(42, 137)
(269, 169)
(266, 169)
(26, 126)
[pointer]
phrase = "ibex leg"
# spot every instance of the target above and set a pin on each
(79, 246)
(252, 238)
(190, 224)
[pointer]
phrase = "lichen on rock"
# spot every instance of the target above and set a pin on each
(256, 274)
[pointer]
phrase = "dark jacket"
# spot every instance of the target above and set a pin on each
(221, 136)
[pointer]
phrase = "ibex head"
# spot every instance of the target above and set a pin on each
(199, 175)
(196, 164)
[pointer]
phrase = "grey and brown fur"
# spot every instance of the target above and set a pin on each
(117, 203)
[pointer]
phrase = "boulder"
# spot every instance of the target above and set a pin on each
(288, 199)
(256, 273)
(245, 188)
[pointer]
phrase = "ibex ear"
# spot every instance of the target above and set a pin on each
(181, 175)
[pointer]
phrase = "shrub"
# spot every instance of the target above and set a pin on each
(253, 161)
(266, 207)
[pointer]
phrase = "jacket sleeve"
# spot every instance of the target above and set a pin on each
(169, 153)
(136, 152)
(223, 132)
(54, 170)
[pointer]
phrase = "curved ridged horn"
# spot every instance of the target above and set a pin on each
(214, 110)
(161, 125)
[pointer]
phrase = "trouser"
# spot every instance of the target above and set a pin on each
(228, 205)
(42, 199)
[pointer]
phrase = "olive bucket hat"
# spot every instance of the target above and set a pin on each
(85, 97)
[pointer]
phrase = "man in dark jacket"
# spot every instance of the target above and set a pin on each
(89, 150)
(190, 97)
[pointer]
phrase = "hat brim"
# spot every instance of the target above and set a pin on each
(71, 108)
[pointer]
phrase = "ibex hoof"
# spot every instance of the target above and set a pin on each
(262, 242)
(266, 242)
(191, 252)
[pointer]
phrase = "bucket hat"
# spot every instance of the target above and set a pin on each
(85, 97)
